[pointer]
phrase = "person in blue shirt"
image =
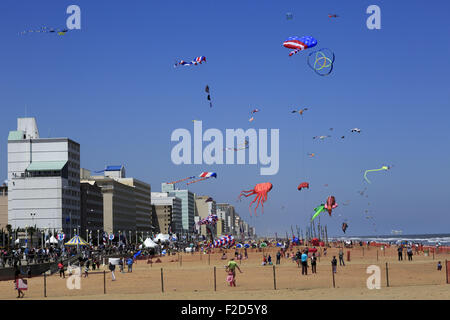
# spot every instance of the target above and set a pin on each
(304, 263)
(130, 264)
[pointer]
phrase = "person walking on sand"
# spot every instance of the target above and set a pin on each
(112, 267)
(19, 284)
(400, 253)
(439, 266)
(313, 263)
(61, 270)
(232, 265)
(409, 252)
(130, 264)
(334, 264)
(341, 258)
(304, 259)
(278, 257)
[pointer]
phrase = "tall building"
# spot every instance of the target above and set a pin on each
(223, 213)
(230, 215)
(203, 209)
(43, 179)
(91, 210)
(187, 205)
(3, 206)
(166, 213)
(126, 201)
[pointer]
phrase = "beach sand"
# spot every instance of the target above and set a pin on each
(191, 277)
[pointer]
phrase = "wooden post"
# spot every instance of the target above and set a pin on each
(209, 258)
(181, 261)
(387, 275)
(162, 280)
(363, 251)
(104, 281)
(446, 270)
(274, 279)
(215, 280)
(45, 285)
(433, 254)
(334, 283)
(377, 254)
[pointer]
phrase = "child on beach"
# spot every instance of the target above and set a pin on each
(230, 278)
(439, 266)
(334, 264)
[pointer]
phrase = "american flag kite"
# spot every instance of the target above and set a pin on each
(299, 44)
(194, 62)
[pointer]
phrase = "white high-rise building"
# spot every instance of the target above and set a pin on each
(43, 180)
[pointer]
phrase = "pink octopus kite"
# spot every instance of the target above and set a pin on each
(261, 190)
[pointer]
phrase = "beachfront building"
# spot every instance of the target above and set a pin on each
(3, 206)
(203, 209)
(43, 179)
(91, 210)
(167, 216)
(126, 202)
(187, 205)
(229, 216)
(223, 213)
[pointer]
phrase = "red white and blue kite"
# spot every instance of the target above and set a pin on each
(299, 44)
(194, 62)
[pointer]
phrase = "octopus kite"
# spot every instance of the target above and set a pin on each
(261, 190)
(331, 204)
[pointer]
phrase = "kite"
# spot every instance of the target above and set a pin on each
(289, 16)
(303, 185)
(321, 137)
(299, 44)
(374, 170)
(209, 199)
(209, 97)
(59, 32)
(321, 61)
(194, 62)
(343, 137)
(331, 204)
(346, 203)
(311, 155)
(209, 220)
(356, 130)
(344, 226)
(261, 190)
(240, 147)
(317, 211)
(251, 119)
(253, 112)
(204, 176)
(333, 16)
(300, 112)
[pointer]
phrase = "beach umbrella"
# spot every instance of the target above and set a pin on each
(263, 245)
(239, 246)
(76, 241)
(246, 245)
(279, 244)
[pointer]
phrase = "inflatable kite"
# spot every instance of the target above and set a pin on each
(298, 44)
(289, 16)
(344, 226)
(331, 204)
(333, 16)
(303, 185)
(226, 240)
(209, 220)
(261, 190)
(317, 211)
(374, 170)
(194, 62)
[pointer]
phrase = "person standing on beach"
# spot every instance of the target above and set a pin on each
(341, 258)
(231, 267)
(334, 264)
(304, 259)
(409, 252)
(439, 266)
(278, 257)
(112, 268)
(400, 253)
(313, 263)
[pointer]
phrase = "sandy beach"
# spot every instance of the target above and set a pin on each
(191, 277)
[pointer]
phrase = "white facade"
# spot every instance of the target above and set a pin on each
(43, 180)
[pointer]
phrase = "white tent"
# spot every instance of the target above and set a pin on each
(148, 243)
(162, 237)
(52, 240)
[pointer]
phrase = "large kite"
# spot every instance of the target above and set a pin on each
(209, 96)
(317, 211)
(203, 176)
(303, 185)
(298, 44)
(261, 190)
(331, 204)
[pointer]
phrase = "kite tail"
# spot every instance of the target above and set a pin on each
(197, 180)
(293, 52)
(180, 180)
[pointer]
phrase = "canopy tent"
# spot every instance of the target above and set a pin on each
(162, 238)
(76, 241)
(52, 240)
(148, 243)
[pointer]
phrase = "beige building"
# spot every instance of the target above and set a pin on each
(203, 209)
(3, 206)
(126, 201)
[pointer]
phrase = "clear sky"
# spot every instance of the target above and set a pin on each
(112, 87)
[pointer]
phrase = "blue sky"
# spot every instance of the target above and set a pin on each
(111, 86)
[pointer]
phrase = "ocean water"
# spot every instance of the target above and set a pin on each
(425, 239)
